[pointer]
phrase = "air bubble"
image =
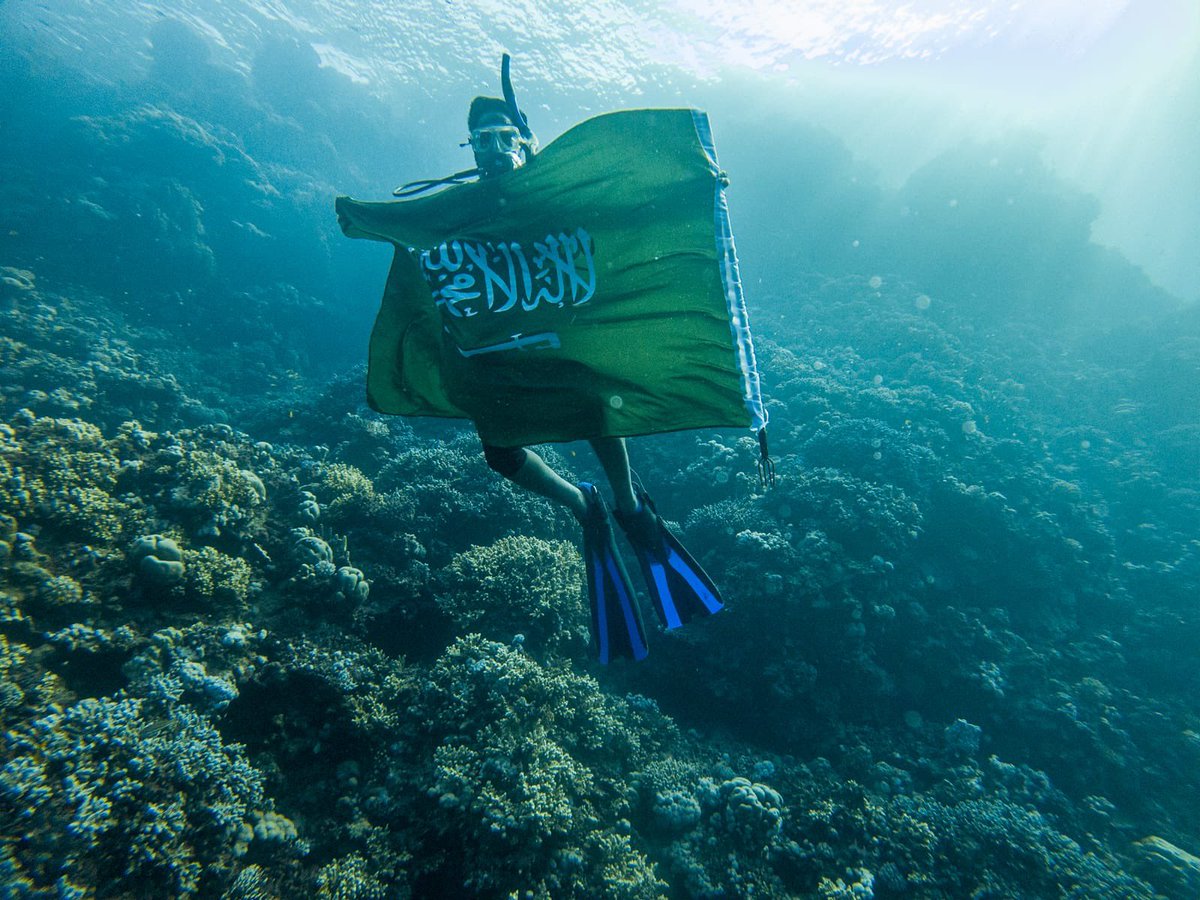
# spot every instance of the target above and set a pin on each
(875, 282)
(922, 301)
(615, 401)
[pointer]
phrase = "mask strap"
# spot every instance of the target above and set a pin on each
(419, 187)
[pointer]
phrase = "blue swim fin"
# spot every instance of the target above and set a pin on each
(680, 589)
(617, 628)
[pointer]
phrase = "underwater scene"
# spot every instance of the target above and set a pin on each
(325, 571)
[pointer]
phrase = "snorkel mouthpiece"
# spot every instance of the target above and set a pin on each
(498, 163)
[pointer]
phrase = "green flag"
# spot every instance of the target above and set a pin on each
(593, 292)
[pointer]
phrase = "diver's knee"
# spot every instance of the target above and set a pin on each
(505, 460)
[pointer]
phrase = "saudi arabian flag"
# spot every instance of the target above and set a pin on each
(592, 292)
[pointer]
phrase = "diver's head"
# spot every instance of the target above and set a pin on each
(495, 139)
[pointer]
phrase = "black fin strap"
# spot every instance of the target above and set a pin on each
(766, 466)
(419, 187)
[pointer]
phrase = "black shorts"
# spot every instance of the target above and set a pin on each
(505, 460)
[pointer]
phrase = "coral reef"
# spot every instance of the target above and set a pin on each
(892, 608)
(368, 652)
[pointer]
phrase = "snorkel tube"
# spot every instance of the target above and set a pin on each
(518, 117)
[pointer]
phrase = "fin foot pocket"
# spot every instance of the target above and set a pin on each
(616, 618)
(680, 588)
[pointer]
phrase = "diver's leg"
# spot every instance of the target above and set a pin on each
(614, 459)
(538, 477)
(526, 469)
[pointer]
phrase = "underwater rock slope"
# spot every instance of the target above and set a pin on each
(256, 641)
(329, 656)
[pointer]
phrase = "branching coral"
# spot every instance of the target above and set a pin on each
(210, 492)
(519, 585)
(25, 687)
(62, 472)
(119, 794)
(214, 578)
(347, 492)
(522, 758)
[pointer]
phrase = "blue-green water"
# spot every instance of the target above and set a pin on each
(259, 641)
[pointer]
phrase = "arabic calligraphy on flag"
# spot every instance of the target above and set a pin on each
(471, 277)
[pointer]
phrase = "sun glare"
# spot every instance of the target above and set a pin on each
(768, 34)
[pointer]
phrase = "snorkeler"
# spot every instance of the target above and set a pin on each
(541, 297)
(501, 141)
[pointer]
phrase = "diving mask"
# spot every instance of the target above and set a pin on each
(496, 139)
